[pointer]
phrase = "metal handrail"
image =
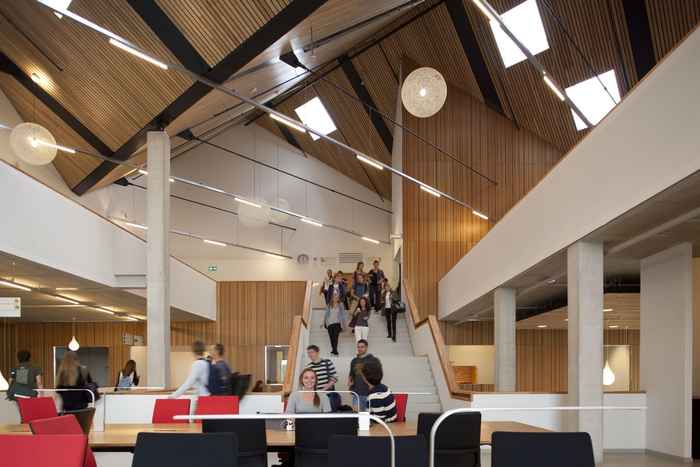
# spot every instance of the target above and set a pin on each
(92, 394)
(300, 416)
(449, 413)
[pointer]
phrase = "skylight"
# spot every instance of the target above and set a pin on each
(314, 115)
(593, 100)
(60, 4)
(525, 22)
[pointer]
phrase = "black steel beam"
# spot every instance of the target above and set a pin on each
(472, 50)
(639, 32)
(9, 67)
(291, 139)
(359, 87)
(271, 32)
(170, 35)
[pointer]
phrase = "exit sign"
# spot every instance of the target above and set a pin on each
(213, 268)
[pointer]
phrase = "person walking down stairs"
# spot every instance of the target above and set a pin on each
(334, 321)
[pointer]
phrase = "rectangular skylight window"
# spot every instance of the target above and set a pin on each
(60, 4)
(525, 22)
(314, 115)
(593, 100)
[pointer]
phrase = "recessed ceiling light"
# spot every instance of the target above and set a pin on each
(37, 78)
(314, 115)
(552, 281)
(607, 309)
(566, 319)
(525, 22)
(541, 326)
(613, 326)
(593, 100)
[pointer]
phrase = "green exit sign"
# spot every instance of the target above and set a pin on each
(213, 268)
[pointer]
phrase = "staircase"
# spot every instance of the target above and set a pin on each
(403, 371)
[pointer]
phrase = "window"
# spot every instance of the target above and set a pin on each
(314, 115)
(60, 4)
(593, 100)
(525, 22)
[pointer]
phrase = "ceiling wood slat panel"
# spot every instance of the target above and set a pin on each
(670, 22)
(111, 92)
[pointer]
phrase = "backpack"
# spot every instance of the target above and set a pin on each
(23, 375)
(219, 384)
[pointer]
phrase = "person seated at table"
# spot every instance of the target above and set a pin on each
(380, 399)
(199, 373)
(307, 400)
(127, 377)
(76, 378)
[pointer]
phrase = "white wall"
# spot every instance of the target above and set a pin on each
(666, 346)
(696, 327)
(621, 161)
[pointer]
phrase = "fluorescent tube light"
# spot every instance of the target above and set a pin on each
(37, 79)
(312, 222)
(607, 309)
(541, 326)
(67, 300)
(137, 317)
(370, 162)
(371, 240)
(137, 53)
(101, 310)
(478, 214)
(65, 289)
(288, 122)
(135, 225)
(431, 191)
(145, 172)
(249, 203)
(314, 115)
(613, 326)
(37, 142)
(484, 10)
(15, 285)
(129, 318)
(553, 87)
(214, 242)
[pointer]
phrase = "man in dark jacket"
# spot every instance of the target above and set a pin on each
(355, 380)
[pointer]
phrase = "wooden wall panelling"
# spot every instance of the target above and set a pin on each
(670, 22)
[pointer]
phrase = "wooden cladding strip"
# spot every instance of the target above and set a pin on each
(299, 323)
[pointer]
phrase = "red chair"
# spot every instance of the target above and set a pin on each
(401, 400)
(34, 408)
(216, 405)
(166, 409)
(64, 425)
(40, 450)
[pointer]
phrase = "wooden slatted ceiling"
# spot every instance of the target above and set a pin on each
(216, 27)
(670, 22)
(112, 93)
(72, 167)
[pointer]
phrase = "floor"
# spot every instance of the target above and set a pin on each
(121, 459)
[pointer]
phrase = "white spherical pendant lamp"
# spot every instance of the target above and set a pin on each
(73, 345)
(608, 375)
(33, 144)
(424, 92)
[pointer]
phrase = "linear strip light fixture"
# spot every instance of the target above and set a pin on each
(209, 241)
(370, 240)
(137, 53)
(490, 12)
(15, 285)
(272, 112)
(145, 172)
(430, 191)
(246, 202)
(369, 161)
(311, 222)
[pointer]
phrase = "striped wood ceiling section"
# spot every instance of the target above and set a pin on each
(670, 22)
(72, 167)
(111, 92)
(216, 27)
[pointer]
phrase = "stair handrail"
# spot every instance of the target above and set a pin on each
(300, 323)
(434, 326)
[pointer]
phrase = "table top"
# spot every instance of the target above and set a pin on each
(124, 435)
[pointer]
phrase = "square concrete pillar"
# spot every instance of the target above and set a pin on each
(504, 338)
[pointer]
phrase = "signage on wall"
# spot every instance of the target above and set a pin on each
(10, 307)
(213, 268)
(138, 340)
(127, 339)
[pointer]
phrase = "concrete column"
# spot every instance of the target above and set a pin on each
(666, 349)
(585, 307)
(504, 338)
(157, 258)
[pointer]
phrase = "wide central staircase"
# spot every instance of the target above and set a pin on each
(403, 371)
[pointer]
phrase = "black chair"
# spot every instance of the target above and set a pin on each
(312, 436)
(252, 439)
(457, 441)
(84, 417)
(186, 450)
(240, 385)
(541, 450)
(343, 451)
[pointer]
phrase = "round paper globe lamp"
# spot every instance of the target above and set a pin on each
(33, 144)
(424, 92)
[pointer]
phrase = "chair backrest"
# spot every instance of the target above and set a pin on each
(411, 451)
(401, 400)
(63, 425)
(166, 409)
(36, 407)
(84, 418)
(251, 434)
(240, 384)
(217, 405)
(53, 450)
(314, 433)
(186, 450)
(458, 432)
(542, 449)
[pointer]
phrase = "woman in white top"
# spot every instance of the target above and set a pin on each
(199, 374)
